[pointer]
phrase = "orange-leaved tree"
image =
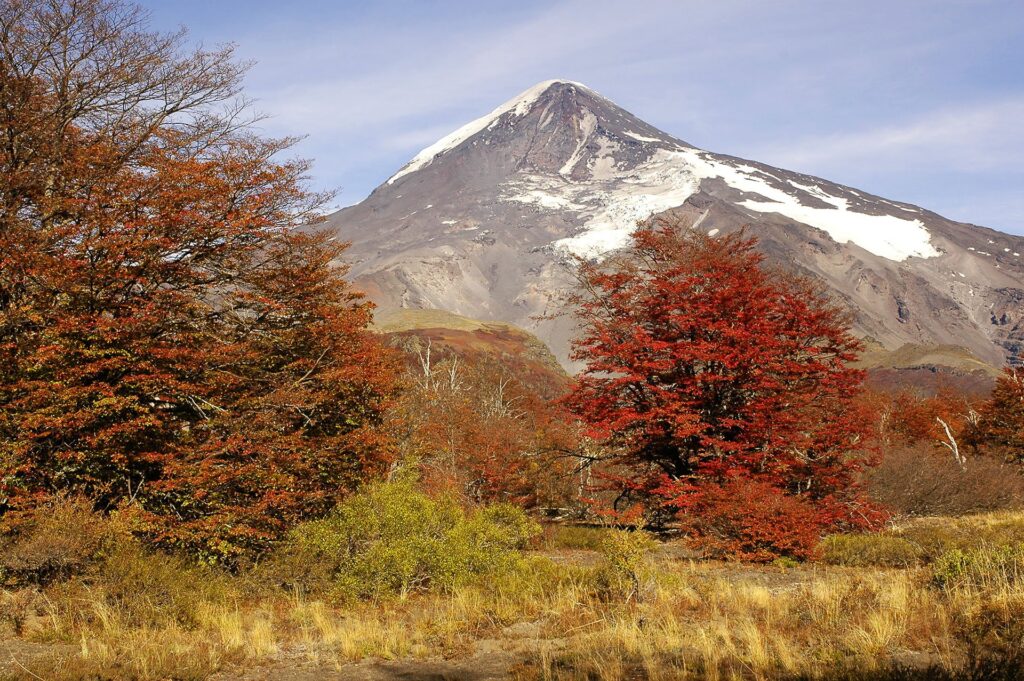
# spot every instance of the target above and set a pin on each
(169, 336)
(472, 424)
(711, 375)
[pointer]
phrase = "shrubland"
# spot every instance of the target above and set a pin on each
(625, 610)
(208, 460)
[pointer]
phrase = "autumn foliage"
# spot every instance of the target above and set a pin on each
(755, 521)
(906, 417)
(168, 334)
(704, 368)
(1001, 420)
(472, 426)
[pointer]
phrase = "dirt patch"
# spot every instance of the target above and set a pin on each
(18, 657)
(477, 668)
(488, 659)
(491, 660)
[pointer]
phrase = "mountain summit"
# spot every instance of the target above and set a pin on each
(482, 222)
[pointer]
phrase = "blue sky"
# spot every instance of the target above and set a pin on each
(919, 101)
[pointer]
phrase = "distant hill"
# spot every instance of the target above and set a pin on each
(927, 368)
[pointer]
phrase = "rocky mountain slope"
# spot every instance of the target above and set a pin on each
(485, 222)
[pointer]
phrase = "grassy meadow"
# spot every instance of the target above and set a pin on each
(934, 598)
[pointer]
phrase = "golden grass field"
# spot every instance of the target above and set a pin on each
(563, 612)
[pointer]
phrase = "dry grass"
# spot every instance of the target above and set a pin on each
(572, 537)
(698, 620)
(921, 541)
(710, 622)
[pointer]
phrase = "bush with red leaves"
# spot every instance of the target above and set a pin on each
(753, 521)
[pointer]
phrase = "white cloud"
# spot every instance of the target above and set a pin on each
(969, 138)
(438, 69)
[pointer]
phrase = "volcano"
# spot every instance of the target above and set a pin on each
(486, 222)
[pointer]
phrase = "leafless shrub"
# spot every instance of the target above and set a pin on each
(60, 539)
(921, 480)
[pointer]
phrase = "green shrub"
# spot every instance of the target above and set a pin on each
(991, 568)
(626, 570)
(869, 550)
(392, 539)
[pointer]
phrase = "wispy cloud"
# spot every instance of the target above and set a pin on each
(436, 68)
(981, 137)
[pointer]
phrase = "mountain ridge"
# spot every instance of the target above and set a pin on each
(483, 222)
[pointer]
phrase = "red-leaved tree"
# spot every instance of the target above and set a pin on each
(704, 367)
(169, 336)
(1001, 425)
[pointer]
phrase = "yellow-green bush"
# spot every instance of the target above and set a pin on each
(626, 571)
(392, 539)
(991, 568)
(869, 550)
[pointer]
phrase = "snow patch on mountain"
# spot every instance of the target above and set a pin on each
(610, 203)
(603, 165)
(587, 127)
(640, 138)
(652, 187)
(613, 201)
(544, 198)
(884, 235)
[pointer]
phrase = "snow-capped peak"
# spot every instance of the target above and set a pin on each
(519, 105)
